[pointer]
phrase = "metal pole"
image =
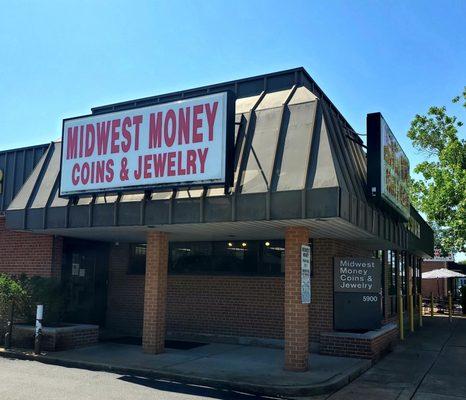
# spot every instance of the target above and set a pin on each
(420, 310)
(38, 336)
(410, 304)
(431, 304)
(400, 303)
(450, 306)
(9, 330)
(411, 312)
(400, 317)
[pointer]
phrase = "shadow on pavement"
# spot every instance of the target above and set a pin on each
(190, 389)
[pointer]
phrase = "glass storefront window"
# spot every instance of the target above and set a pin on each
(137, 259)
(239, 257)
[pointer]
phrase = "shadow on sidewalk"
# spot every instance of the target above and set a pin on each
(189, 389)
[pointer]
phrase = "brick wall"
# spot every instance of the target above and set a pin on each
(125, 306)
(356, 345)
(198, 304)
(224, 305)
(56, 339)
(28, 253)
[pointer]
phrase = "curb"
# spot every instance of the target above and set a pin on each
(326, 387)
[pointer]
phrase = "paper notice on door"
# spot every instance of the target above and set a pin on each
(75, 269)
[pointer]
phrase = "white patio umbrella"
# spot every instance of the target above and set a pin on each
(442, 273)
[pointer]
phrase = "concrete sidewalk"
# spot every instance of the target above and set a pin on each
(247, 368)
(430, 364)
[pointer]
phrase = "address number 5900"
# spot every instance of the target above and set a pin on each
(369, 299)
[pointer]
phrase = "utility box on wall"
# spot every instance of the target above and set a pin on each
(357, 290)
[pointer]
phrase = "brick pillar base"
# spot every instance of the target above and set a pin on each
(155, 293)
(296, 313)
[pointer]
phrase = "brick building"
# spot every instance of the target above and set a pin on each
(204, 264)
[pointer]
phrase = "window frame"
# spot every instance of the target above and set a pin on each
(136, 267)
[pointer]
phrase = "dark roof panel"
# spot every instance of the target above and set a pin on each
(17, 165)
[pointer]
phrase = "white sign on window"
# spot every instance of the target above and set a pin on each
(305, 274)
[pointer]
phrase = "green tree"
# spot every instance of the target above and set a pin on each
(441, 194)
(10, 292)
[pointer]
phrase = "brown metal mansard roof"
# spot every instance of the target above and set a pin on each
(297, 161)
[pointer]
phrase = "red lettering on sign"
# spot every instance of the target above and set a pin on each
(109, 171)
(72, 143)
(181, 170)
(114, 147)
(211, 118)
(81, 140)
(74, 172)
(191, 162)
(126, 144)
(103, 132)
(137, 121)
(169, 128)
(147, 166)
(155, 130)
(171, 164)
(99, 173)
(183, 123)
(202, 157)
(90, 140)
(159, 164)
(85, 173)
(197, 123)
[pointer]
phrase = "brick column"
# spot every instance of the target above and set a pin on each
(296, 313)
(155, 293)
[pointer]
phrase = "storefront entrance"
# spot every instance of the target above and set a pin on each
(85, 280)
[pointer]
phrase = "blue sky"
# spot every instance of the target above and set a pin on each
(58, 59)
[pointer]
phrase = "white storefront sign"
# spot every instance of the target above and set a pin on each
(305, 274)
(171, 144)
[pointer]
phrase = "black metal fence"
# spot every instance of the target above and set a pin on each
(440, 305)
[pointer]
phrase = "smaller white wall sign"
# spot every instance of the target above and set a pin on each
(305, 274)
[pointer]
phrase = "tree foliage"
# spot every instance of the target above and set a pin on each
(11, 291)
(441, 194)
(26, 292)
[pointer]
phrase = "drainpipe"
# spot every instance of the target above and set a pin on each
(410, 307)
(450, 306)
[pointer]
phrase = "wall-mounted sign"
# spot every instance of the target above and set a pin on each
(357, 275)
(305, 274)
(357, 287)
(182, 143)
(388, 166)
